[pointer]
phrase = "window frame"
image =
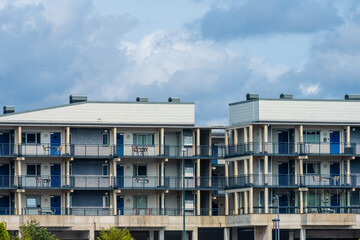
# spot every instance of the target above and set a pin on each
(37, 170)
(37, 200)
(317, 136)
(37, 138)
(107, 170)
(105, 139)
(136, 171)
(147, 136)
(106, 201)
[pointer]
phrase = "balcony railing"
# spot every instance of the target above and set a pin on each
(291, 180)
(290, 148)
(43, 181)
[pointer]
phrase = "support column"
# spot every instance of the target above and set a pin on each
(266, 140)
(226, 204)
(195, 234)
(162, 203)
(161, 234)
(198, 207)
(198, 141)
(19, 203)
(115, 202)
(198, 180)
(162, 136)
(226, 142)
(266, 199)
(210, 143)
(348, 136)
(302, 234)
(263, 233)
(162, 164)
(260, 140)
(251, 168)
(236, 203)
(266, 169)
(234, 233)
(235, 140)
(296, 140)
(227, 172)
(246, 208)
(348, 172)
(246, 139)
(301, 133)
(236, 172)
(151, 235)
(114, 131)
(67, 141)
(251, 138)
(342, 140)
(291, 235)
(157, 142)
(301, 171)
(210, 171)
(226, 233)
(194, 143)
(19, 138)
(301, 194)
(296, 162)
(251, 200)
(68, 172)
(68, 202)
(210, 203)
(246, 170)
(91, 234)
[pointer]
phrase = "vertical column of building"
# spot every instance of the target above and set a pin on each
(114, 131)
(236, 203)
(246, 200)
(246, 143)
(260, 145)
(236, 142)
(198, 142)
(226, 142)
(18, 173)
(67, 141)
(226, 203)
(161, 142)
(266, 138)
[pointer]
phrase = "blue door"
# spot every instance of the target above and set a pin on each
(56, 205)
(283, 174)
(283, 142)
(4, 144)
(335, 202)
(55, 175)
(335, 174)
(4, 205)
(120, 176)
(120, 144)
(283, 203)
(55, 142)
(335, 142)
(120, 205)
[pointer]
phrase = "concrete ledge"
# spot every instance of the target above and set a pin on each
(328, 219)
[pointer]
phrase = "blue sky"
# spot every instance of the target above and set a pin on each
(209, 52)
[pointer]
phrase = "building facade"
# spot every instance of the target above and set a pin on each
(86, 165)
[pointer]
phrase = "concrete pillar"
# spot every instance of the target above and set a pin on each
(210, 171)
(246, 169)
(302, 234)
(226, 203)
(157, 142)
(151, 235)
(226, 233)
(251, 138)
(301, 171)
(162, 203)
(301, 140)
(210, 143)
(236, 203)
(342, 140)
(246, 139)
(198, 207)
(161, 234)
(210, 203)
(67, 172)
(246, 200)
(296, 162)
(68, 202)
(263, 233)
(266, 169)
(234, 234)
(91, 234)
(19, 203)
(162, 147)
(291, 235)
(115, 203)
(194, 142)
(226, 142)
(266, 199)
(67, 141)
(266, 140)
(227, 172)
(305, 201)
(260, 140)
(348, 136)
(162, 165)
(348, 172)
(236, 142)
(195, 234)
(251, 200)
(198, 172)
(296, 139)
(236, 169)
(198, 141)
(301, 202)
(251, 168)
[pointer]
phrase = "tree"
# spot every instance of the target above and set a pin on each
(4, 235)
(32, 231)
(114, 233)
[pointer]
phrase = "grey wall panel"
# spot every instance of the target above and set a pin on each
(243, 113)
(87, 198)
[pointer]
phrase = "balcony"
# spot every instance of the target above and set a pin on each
(43, 182)
(294, 181)
(289, 148)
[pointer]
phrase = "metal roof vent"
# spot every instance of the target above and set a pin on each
(352, 97)
(142, 99)
(174, 99)
(77, 98)
(286, 96)
(252, 96)
(8, 109)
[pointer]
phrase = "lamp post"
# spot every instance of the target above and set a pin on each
(183, 183)
(277, 221)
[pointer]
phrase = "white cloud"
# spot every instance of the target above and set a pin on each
(309, 89)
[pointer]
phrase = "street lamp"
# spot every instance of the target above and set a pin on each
(183, 180)
(277, 221)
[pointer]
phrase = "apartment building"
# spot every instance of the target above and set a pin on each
(86, 165)
(299, 158)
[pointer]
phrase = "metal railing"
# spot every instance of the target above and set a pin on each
(43, 181)
(332, 209)
(294, 180)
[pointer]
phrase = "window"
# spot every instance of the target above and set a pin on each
(105, 169)
(311, 168)
(140, 171)
(144, 139)
(105, 138)
(312, 136)
(106, 203)
(33, 169)
(31, 138)
(33, 202)
(140, 202)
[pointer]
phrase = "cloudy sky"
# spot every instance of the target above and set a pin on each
(211, 52)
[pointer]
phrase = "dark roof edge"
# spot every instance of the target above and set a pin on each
(294, 100)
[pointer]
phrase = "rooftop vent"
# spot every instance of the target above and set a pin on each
(174, 99)
(77, 98)
(252, 96)
(286, 96)
(8, 109)
(142, 99)
(352, 97)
